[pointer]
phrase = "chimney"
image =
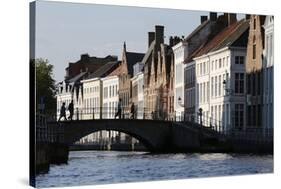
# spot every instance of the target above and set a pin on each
(159, 36)
(84, 57)
(213, 16)
(231, 18)
(171, 41)
(204, 18)
(151, 37)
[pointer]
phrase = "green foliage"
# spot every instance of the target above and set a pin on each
(45, 85)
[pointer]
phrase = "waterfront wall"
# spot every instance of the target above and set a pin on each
(50, 153)
(113, 147)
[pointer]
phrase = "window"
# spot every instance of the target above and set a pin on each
(216, 64)
(253, 84)
(212, 86)
(215, 115)
(105, 92)
(220, 85)
(227, 60)
(212, 65)
(239, 59)
(254, 23)
(239, 83)
(200, 92)
(259, 83)
(254, 51)
(204, 67)
(208, 91)
(239, 116)
(216, 86)
(220, 63)
(204, 91)
(200, 68)
(219, 115)
(223, 62)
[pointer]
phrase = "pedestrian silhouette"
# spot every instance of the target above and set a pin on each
(118, 113)
(133, 111)
(70, 109)
(62, 112)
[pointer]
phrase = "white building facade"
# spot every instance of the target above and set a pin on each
(189, 91)
(66, 92)
(137, 94)
(110, 97)
(220, 88)
(92, 98)
(268, 73)
(180, 54)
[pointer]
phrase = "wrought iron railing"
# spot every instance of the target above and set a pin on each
(47, 133)
(218, 126)
(112, 113)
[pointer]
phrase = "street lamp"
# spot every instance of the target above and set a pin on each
(180, 102)
(200, 115)
(227, 89)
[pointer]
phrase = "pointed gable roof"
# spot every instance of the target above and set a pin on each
(132, 58)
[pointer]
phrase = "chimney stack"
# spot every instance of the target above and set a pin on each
(213, 16)
(171, 41)
(204, 18)
(248, 16)
(84, 57)
(159, 36)
(231, 18)
(151, 37)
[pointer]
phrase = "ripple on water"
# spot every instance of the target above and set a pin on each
(104, 167)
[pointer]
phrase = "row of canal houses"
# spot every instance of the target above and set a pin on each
(223, 68)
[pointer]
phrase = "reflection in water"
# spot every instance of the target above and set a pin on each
(101, 167)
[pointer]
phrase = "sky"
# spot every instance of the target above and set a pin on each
(64, 31)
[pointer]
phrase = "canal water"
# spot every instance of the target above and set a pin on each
(104, 167)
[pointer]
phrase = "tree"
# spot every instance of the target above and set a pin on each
(45, 85)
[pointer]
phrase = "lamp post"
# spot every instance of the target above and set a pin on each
(229, 92)
(227, 89)
(200, 115)
(180, 103)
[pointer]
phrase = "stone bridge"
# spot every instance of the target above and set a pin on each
(155, 135)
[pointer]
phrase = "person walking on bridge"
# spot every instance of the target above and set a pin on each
(62, 112)
(133, 111)
(118, 113)
(70, 109)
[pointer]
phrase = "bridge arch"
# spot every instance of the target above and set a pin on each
(146, 143)
(153, 136)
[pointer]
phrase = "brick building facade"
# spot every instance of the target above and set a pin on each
(253, 67)
(158, 75)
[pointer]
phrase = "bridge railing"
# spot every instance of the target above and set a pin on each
(47, 133)
(257, 134)
(218, 126)
(113, 113)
